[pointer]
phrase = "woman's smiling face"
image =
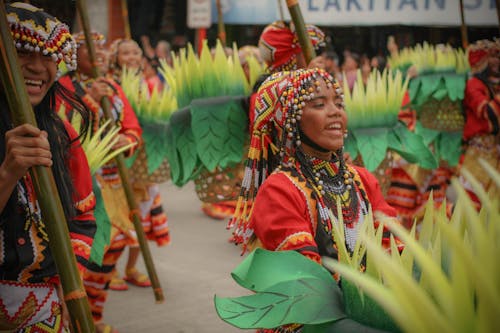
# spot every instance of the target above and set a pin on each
(129, 55)
(39, 73)
(324, 120)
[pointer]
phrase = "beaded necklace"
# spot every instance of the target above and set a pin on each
(332, 182)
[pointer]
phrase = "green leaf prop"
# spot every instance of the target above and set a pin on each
(103, 232)
(372, 145)
(155, 141)
(351, 146)
(363, 309)
(290, 289)
(180, 123)
(450, 147)
(302, 300)
(455, 85)
(172, 155)
(237, 129)
(411, 147)
(212, 129)
(429, 135)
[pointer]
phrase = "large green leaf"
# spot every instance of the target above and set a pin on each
(262, 268)
(450, 147)
(290, 289)
(180, 124)
(209, 126)
(411, 147)
(372, 144)
(103, 232)
(363, 309)
(155, 143)
(307, 300)
(455, 85)
(429, 135)
(172, 156)
(351, 146)
(237, 129)
(431, 83)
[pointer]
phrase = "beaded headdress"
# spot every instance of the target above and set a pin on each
(279, 45)
(36, 31)
(479, 52)
(275, 133)
(97, 37)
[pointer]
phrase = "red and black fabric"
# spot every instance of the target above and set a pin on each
(29, 259)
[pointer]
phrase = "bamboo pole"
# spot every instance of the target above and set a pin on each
(463, 27)
(126, 22)
(221, 30)
(300, 28)
(45, 187)
(134, 210)
(280, 8)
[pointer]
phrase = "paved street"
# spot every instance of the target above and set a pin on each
(194, 267)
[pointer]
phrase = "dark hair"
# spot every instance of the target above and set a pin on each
(59, 140)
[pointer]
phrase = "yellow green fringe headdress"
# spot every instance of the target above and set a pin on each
(275, 134)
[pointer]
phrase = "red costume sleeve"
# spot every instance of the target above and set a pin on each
(281, 218)
(83, 226)
(481, 109)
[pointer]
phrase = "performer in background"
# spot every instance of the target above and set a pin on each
(482, 113)
(92, 91)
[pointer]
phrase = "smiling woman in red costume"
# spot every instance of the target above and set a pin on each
(295, 170)
(482, 113)
(30, 290)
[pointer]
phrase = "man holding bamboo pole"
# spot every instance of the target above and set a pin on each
(30, 287)
(92, 90)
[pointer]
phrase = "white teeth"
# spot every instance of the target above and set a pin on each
(34, 82)
(334, 126)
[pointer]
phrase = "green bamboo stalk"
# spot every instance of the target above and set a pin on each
(463, 26)
(132, 203)
(45, 187)
(221, 30)
(300, 28)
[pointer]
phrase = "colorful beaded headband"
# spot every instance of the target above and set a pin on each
(97, 37)
(36, 31)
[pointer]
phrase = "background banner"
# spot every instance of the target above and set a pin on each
(363, 12)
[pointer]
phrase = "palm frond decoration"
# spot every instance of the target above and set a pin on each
(210, 90)
(374, 129)
(153, 110)
(98, 146)
(436, 94)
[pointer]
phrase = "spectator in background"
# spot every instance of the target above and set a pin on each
(350, 67)
(332, 64)
(379, 62)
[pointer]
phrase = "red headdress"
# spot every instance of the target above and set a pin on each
(279, 45)
(479, 52)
